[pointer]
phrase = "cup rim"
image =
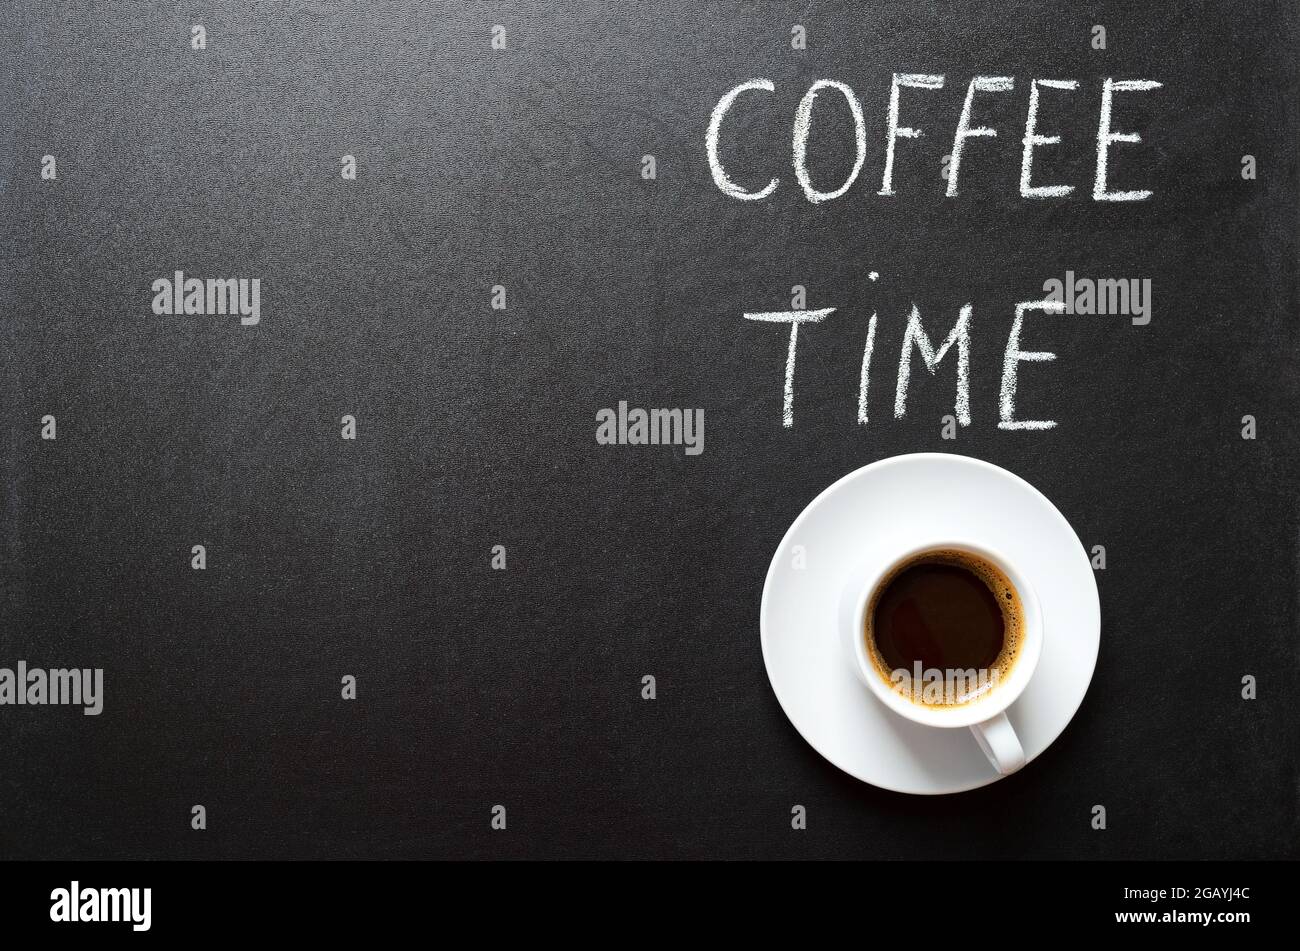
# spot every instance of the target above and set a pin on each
(998, 699)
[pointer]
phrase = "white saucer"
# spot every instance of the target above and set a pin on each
(850, 525)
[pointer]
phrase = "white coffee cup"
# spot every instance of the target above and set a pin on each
(986, 714)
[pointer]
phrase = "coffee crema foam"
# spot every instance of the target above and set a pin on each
(991, 670)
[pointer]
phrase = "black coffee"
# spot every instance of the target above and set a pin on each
(944, 616)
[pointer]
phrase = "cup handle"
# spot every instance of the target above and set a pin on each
(1000, 744)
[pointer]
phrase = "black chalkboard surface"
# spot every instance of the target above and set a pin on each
(475, 227)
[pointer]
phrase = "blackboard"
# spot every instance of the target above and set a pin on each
(499, 157)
